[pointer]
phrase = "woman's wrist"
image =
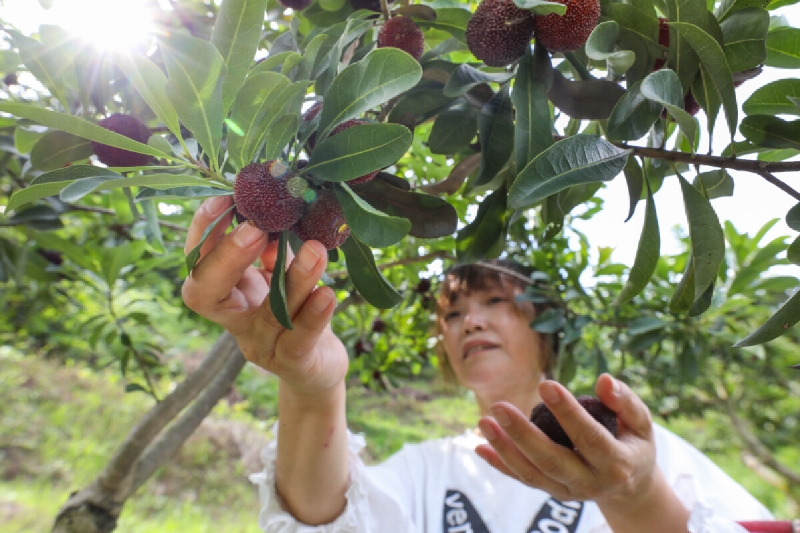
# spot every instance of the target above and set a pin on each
(655, 509)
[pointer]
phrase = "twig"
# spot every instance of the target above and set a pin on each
(779, 184)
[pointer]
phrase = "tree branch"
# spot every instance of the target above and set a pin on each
(755, 446)
(167, 444)
(779, 184)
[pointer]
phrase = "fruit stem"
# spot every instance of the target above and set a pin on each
(385, 10)
(579, 67)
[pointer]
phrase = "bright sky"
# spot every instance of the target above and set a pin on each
(122, 23)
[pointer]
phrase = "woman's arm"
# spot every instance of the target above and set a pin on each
(312, 471)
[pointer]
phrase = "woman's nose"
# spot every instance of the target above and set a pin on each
(475, 319)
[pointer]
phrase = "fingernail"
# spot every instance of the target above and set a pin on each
(246, 235)
(307, 258)
(549, 393)
(616, 388)
(501, 416)
(216, 205)
(320, 302)
(488, 431)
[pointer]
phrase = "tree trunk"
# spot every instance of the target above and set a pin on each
(97, 507)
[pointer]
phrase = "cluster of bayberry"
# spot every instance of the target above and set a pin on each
(499, 32)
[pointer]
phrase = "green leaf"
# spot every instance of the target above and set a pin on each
(707, 96)
(485, 236)
(793, 217)
(83, 186)
(683, 58)
(634, 177)
(744, 36)
(465, 77)
(601, 46)
(683, 296)
(194, 255)
(793, 251)
(45, 63)
(56, 149)
(705, 232)
(80, 127)
(264, 99)
(277, 285)
(383, 74)
(196, 73)
(715, 64)
(367, 279)
(236, 34)
(357, 151)
(152, 229)
(453, 20)
(664, 88)
(52, 183)
(776, 325)
(783, 48)
(178, 193)
(633, 116)
(279, 135)
(496, 127)
(453, 130)
(716, 183)
(647, 254)
(533, 124)
(542, 7)
(370, 226)
(151, 85)
(571, 161)
(431, 217)
(774, 98)
(771, 132)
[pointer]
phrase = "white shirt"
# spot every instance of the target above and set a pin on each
(428, 487)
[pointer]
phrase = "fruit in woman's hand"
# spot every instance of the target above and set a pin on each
(544, 419)
(269, 195)
(401, 32)
(130, 127)
(567, 32)
(499, 32)
(324, 222)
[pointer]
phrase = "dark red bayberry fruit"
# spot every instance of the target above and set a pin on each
(544, 419)
(401, 32)
(372, 5)
(130, 127)
(269, 195)
(378, 325)
(308, 116)
(567, 32)
(324, 222)
(499, 32)
(423, 286)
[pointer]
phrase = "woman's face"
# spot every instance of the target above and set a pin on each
(489, 343)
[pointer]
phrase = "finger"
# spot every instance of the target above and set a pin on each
(203, 217)
(270, 255)
(304, 273)
(594, 441)
(631, 411)
(309, 323)
(214, 278)
(516, 462)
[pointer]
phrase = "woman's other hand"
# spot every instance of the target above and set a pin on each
(226, 288)
(619, 474)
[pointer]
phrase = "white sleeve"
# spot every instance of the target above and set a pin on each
(371, 506)
(714, 499)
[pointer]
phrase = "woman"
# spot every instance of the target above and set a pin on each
(510, 478)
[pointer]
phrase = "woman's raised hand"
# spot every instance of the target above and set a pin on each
(226, 288)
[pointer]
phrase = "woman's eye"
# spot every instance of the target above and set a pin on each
(451, 315)
(496, 300)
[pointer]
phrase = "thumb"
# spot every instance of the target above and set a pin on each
(631, 411)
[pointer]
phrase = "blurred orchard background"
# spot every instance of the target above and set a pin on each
(97, 348)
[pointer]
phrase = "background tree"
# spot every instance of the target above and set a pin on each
(471, 149)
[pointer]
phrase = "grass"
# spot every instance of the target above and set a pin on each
(59, 425)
